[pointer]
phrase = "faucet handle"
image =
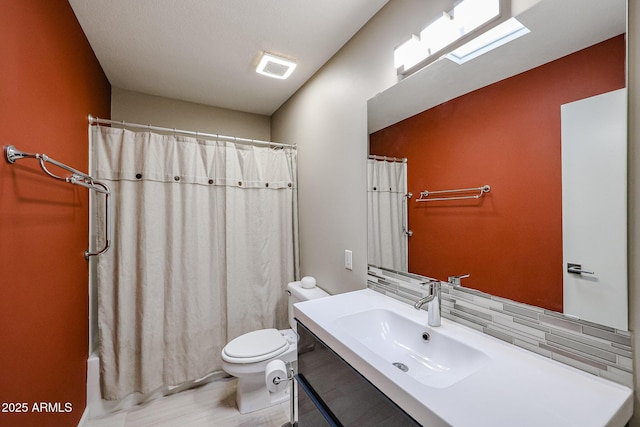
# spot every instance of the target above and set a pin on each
(429, 281)
(455, 280)
(433, 285)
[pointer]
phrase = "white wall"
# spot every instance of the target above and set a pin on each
(135, 107)
(327, 118)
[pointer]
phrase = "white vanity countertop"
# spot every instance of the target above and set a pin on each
(517, 387)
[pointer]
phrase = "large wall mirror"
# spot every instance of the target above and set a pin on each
(537, 221)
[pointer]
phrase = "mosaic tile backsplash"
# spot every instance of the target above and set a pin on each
(593, 348)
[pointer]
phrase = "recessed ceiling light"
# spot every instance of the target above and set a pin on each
(275, 66)
(495, 37)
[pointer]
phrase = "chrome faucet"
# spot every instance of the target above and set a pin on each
(433, 299)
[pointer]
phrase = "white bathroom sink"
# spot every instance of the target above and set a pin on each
(437, 361)
(461, 377)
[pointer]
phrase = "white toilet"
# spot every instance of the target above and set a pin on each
(246, 357)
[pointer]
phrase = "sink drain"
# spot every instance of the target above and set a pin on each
(401, 366)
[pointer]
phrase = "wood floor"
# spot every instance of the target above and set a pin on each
(210, 405)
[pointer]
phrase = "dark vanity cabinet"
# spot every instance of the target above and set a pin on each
(332, 393)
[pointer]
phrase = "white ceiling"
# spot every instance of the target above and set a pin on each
(205, 51)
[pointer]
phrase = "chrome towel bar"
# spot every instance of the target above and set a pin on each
(78, 178)
(424, 195)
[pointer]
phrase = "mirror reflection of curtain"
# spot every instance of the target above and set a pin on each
(386, 191)
(204, 243)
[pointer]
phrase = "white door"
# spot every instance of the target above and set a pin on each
(594, 208)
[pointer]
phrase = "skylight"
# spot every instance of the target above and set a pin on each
(495, 37)
(466, 16)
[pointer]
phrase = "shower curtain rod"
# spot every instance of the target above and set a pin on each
(388, 159)
(97, 120)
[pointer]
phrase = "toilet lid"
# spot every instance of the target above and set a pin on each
(255, 346)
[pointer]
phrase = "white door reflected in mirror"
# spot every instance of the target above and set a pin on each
(594, 213)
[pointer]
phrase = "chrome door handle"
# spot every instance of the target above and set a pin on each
(577, 269)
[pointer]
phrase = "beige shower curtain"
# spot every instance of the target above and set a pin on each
(387, 214)
(204, 242)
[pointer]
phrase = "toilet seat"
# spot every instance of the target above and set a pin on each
(255, 346)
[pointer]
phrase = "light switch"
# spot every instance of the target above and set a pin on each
(348, 259)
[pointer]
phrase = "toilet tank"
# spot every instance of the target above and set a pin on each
(297, 294)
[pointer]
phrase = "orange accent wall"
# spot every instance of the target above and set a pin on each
(50, 81)
(506, 135)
